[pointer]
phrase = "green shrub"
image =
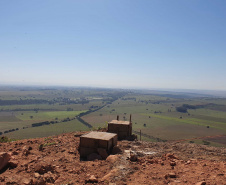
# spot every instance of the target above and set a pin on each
(5, 139)
(205, 142)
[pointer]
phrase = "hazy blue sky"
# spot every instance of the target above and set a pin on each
(117, 43)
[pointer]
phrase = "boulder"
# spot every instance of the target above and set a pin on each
(93, 157)
(112, 158)
(173, 163)
(4, 159)
(36, 175)
(49, 177)
(15, 153)
(26, 151)
(171, 156)
(116, 150)
(133, 157)
(26, 181)
(39, 181)
(102, 152)
(44, 168)
(92, 179)
(13, 163)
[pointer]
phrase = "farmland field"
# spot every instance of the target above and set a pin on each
(48, 130)
(158, 115)
(47, 115)
(10, 120)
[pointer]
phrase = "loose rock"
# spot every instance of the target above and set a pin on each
(172, 175)
(112, 158)
(26, 181)
(172, 163)
(102, 152)
(4, 159)
(92, 179)
(133, 157)
(201, 183)
(171, 156)
(116, 150)
(44, 168)
(13, 163)
(94, 156)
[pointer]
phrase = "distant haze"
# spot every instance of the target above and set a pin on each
(121, 44)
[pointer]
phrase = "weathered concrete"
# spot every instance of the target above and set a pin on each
(89, 143)
(122, 128)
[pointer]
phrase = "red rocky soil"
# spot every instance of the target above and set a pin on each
(56, 160)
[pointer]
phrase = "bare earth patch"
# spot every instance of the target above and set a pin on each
(56, 160)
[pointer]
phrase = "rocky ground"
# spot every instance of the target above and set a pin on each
(56, 160)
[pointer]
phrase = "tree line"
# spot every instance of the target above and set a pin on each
(42, 101)
(184, 108)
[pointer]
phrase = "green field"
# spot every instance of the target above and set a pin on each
(47, 115)
(154, 114)
(48, 130)
(161, 118)
(10, 120)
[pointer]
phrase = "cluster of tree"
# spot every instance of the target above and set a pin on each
(184, 108)
(7, 131)
(156, 102)
(4, 139)
(205, 142)
(48, 122)
(150, 101)
(134, 99)
(156, 112)
(89, 111)
(190, 106)
(177, 96)
(116, 96)
(70, 109)
(19, 109)
(40, 124)
(94, 106)
(66, 101)
(67, 119)
(61, 101)
(143, 101)
(23, 102)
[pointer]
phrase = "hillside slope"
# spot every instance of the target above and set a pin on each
(56, 160)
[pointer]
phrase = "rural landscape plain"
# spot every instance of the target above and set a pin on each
(32, 112)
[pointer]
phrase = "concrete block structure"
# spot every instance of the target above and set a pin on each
(89, 143)
(122, 128)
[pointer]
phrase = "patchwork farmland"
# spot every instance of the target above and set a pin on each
(157, 115)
